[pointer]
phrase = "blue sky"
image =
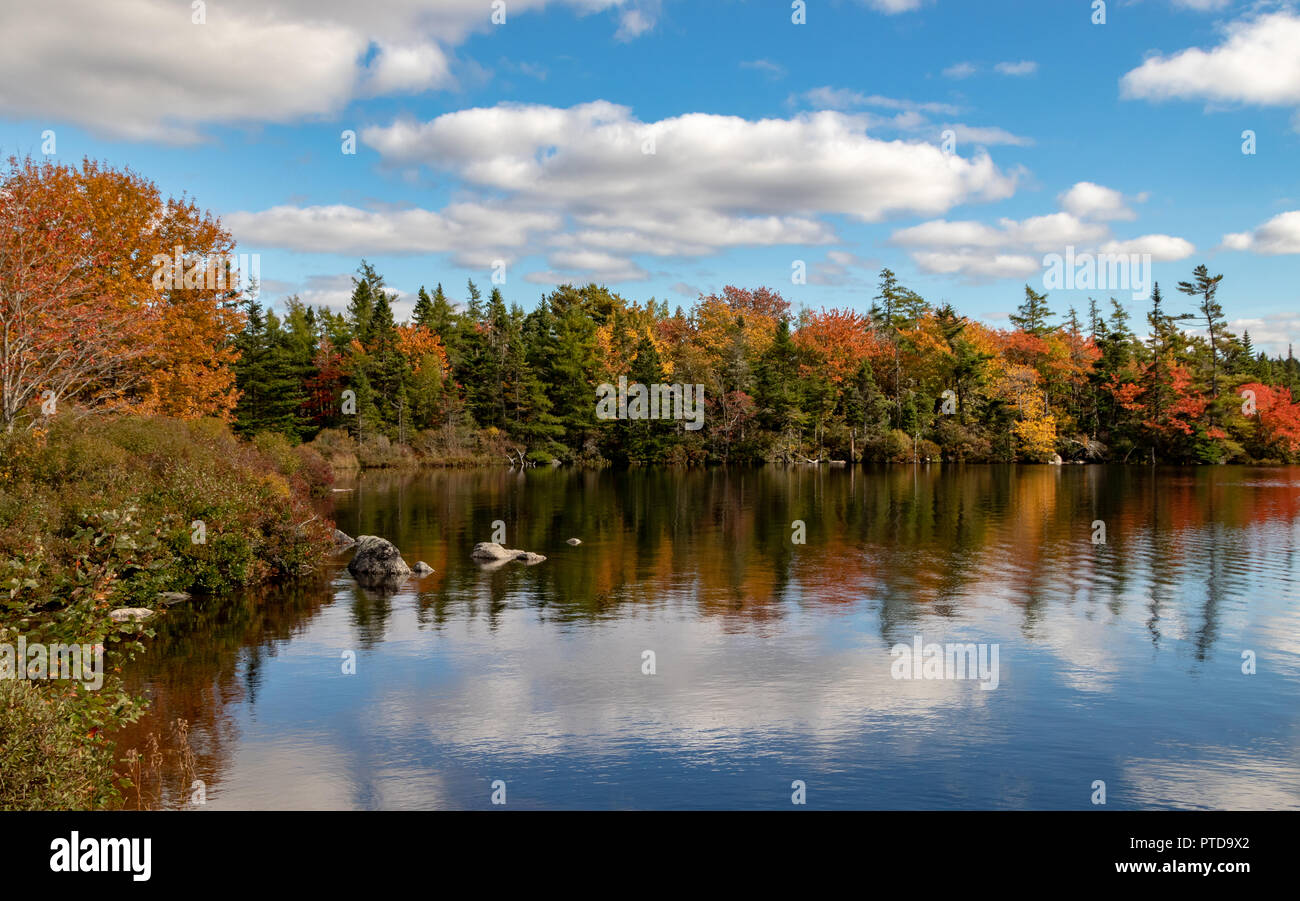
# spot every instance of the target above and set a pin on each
(526, 143)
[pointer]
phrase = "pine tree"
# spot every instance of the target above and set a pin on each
(1205, 287)
(422, 312)
(1033, 314)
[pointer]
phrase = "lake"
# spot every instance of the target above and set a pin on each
(1130, 626)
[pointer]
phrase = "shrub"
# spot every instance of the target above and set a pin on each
(278, 450)
(47, 759)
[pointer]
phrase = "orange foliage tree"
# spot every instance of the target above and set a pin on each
(89, 314)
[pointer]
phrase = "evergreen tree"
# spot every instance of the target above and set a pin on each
(1205, 287)
(1033, 314)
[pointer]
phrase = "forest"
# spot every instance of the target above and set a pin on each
(92, 328)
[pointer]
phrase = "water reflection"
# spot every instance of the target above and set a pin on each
(1119, 661)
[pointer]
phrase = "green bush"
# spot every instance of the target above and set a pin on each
(47, 760)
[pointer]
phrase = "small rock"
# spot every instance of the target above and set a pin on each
(125, 614)
(342, 539)
(421, 568)
(172, 598)
(574, 542)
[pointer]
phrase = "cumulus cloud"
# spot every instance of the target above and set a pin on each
(1161, 248)
(1014, 248)
(1257, 63)
(591, 186)
(476, 234)
(1279, 235)
(1092, 201)
(960, 70)
(1275, 333)
(143, 70)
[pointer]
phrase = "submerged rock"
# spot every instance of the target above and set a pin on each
(421, 568)
(574, 542)
(125, 614)
(489, 552)
(172, 598)
(377, 561)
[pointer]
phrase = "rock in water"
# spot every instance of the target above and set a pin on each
(421, 568)
(574, 542)
(377, 561)
(172, 598)
(490, 552)
(123, 614)
(341, 539)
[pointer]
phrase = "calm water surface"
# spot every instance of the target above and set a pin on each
(1119, 662)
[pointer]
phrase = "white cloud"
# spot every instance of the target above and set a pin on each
(894, 7)
(1273, 333)
(826, 97)
(1092, 201)
(1020, 69)
(1161, 248)
(576, 185)
(142, 70)
(476, 234)
(987, 136)
(1279, 235)
(1013, 248)
(960, 70)
(1258, 62)
(1040, 233)
(1202, 6)
(638, 18)
(766, 66)
(909, 118)
(976, 265)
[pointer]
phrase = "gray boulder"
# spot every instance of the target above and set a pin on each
(377, 561)
(125, 614)
(491, 553)
(342, 539)
(421, 568)
(172, 598)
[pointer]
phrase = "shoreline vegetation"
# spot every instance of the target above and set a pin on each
(161, 430)
(105, 513)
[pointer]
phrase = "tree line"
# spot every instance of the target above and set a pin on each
(908, 380)
(89, 327)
